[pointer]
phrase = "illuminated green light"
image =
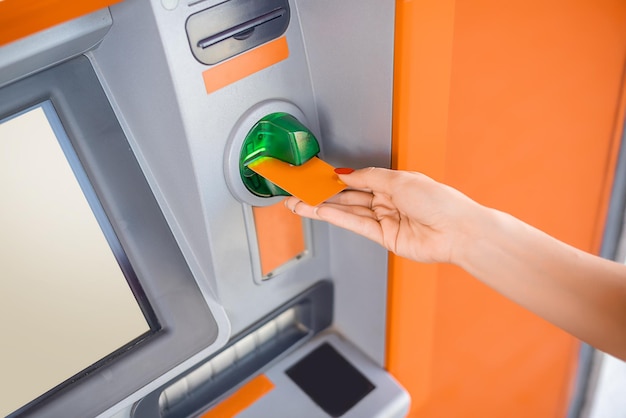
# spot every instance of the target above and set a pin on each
(277, 135)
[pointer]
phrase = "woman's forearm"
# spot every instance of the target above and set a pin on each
(426, 221)
(581, 293)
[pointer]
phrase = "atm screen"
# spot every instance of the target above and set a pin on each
(66, 301)
(97, 300)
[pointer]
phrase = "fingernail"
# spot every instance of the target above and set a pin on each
(344, 170)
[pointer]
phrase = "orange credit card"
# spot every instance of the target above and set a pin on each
(312, 182)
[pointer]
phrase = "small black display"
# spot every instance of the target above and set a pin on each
(330, 380)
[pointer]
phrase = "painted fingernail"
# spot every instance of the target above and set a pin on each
(344, 170)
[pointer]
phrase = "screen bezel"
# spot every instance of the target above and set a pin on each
(110, 236)
(160, 275)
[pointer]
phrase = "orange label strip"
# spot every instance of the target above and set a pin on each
(19, 18)
(280, 236)
(242, 399)
(245, 64)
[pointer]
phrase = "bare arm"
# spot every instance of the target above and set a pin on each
(418, 218)
(583, 294)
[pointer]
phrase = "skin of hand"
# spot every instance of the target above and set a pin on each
(406, 212)
(418, 218)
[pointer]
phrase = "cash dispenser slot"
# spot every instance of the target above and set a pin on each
(288, 327)
(235, 26)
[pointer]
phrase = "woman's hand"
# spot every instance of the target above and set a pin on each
(406, 212)
(418, 218)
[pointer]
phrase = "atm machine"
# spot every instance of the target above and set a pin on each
(150, 272)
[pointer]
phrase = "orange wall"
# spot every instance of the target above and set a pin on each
(515, 103)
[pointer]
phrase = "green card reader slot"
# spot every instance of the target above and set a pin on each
(281, 136)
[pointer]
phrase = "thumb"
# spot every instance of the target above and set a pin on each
(372, 178)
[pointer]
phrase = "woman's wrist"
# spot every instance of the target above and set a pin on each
(477, 229)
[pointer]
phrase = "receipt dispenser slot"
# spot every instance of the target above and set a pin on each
(230, 28)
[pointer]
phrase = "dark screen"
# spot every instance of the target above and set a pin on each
(330, 380)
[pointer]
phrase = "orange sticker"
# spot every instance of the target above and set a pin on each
(279, 234)
(312, 182)
(245, 396)
(241, 66)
